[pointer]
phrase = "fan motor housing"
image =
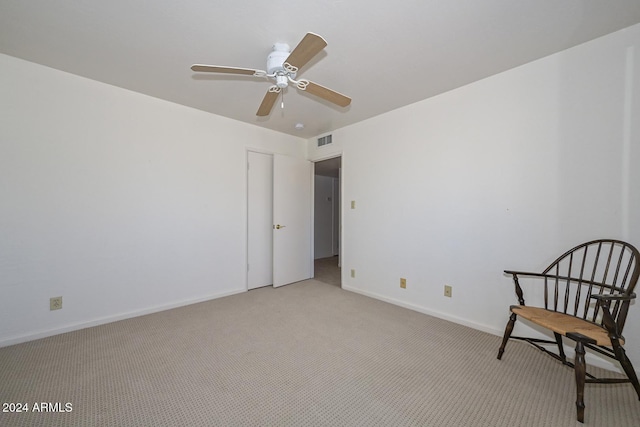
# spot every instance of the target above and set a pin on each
(277, 57)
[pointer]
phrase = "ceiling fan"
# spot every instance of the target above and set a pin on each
(282, 67)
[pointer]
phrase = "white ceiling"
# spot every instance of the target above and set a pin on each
(384, 54)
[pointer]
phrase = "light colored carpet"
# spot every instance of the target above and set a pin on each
(308, 354)
(326, 270)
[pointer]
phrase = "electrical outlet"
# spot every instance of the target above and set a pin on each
(447, 291)
(55, 303)
(403, 283)
(353, 273)
(353, 204)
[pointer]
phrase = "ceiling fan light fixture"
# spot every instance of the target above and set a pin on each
(282, 81)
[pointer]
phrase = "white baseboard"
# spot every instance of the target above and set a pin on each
(108, 319)
(424, 310)
(592, 359)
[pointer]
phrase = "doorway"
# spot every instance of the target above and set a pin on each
(326, 227)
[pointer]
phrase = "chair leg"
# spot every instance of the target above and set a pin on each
(580, 369)
(560, 348)
(626, 365)
(507, 334)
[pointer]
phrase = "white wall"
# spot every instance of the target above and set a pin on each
(121, 203)
(323, 217)
(503, 173)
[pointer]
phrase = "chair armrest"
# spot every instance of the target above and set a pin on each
(515, 274)
(583, 281)
(609, 323)
(605, 297)
(523, 273)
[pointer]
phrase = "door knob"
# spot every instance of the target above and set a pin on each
(278, 227)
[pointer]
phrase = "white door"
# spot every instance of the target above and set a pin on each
(260, 220)
(291, 220)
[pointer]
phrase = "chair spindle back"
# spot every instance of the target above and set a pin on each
(597, 267)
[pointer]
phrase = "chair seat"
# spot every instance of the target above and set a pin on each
(563, 323)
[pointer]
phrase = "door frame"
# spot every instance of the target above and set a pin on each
(329, 156)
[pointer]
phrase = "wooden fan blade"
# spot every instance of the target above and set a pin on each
(309, 46)
(267, 102)
(325, 93)
(226, 70)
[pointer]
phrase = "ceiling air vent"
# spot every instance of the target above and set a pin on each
(325, 140)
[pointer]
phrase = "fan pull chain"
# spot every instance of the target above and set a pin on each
(282, 102)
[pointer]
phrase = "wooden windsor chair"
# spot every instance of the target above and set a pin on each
(587, 294)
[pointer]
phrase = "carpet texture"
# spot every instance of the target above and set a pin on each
(307, 354)
(326, 270)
